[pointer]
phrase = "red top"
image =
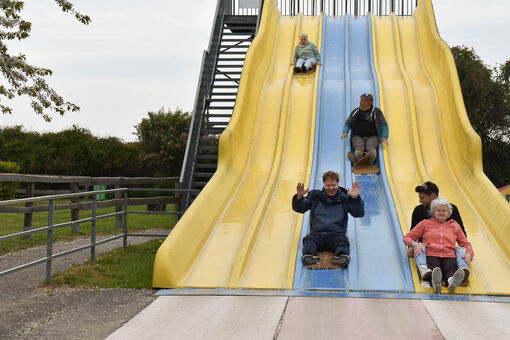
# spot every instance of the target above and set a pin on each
(439, 238)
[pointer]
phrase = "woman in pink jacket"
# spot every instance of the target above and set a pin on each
(440, 238)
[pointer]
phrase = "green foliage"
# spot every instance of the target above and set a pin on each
(163, 137)
(8, 189)
(486, 93)
(73, 152)
(21, 78)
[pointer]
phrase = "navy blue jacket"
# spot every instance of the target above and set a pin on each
(328, 215)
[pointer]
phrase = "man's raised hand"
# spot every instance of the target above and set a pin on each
(354, 191)
(301, 191)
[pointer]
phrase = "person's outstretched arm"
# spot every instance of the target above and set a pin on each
(300, 203)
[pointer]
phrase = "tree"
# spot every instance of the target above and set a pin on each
(163, 137)
(21, 78)
(73, 152)
(486, 93)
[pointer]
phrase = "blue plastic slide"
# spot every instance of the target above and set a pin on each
(378, 259)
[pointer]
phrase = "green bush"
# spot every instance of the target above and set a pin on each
(8, 189)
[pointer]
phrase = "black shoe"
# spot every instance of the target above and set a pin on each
(341, 261)
(309, 259)
(297, 69)
(303, 69)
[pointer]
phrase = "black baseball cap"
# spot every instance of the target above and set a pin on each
(427, 188)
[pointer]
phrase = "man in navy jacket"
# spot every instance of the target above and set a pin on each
(328, 218)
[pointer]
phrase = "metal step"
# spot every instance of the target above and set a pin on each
(208, 148)
(222, 100)
(230, 66)
(230, 59)
(231, 47)
(225, 86)
(206, 166)
(223, 94)
(230, 108)
(235, 40)
(213, 131)
(208, 140)
(222, 115)
(227, 52)
(219, 72)
(208, 157)
(239, 33)
(215, 125)
(198, 185)
(204, 174)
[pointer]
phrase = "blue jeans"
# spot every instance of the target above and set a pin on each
(309, 63)
(421, 259)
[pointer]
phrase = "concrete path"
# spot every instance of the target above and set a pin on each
(282, 318)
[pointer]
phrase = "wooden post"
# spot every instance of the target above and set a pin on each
(75, 212)
(27, 224)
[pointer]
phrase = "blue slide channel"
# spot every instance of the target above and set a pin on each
(378, 259)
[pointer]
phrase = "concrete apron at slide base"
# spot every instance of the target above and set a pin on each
(280, 317)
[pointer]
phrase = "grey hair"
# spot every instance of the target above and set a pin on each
(440, 201)
(304, 35)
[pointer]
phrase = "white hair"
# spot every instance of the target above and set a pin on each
(304, 35)
(440, 201)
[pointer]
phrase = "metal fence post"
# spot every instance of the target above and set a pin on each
(93, 229)
(49, 245)
(124, 219)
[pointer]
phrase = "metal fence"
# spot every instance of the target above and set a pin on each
(328, 7)
(94, 217)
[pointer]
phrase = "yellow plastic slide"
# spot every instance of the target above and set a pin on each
(240, 232)
(431, 139)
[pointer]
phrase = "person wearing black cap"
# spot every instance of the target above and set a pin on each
(427, 192)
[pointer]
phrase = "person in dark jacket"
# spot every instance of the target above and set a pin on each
(328, 218)
(427, 192)
(369, 127)
(440, 237)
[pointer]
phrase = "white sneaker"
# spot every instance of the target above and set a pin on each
(456, 280)
(425, 272)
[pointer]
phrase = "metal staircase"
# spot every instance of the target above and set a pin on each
(216, 95)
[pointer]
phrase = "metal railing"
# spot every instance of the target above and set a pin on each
(94, 217)
(328, 7)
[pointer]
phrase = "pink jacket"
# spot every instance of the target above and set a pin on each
(440, 239)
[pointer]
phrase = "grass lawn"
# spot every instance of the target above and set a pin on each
(13, 223)
(129, 267)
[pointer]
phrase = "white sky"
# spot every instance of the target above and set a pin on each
(140, 55)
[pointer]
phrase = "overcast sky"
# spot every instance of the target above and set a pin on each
(138, 56)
